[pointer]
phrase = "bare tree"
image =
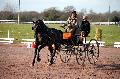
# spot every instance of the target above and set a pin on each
(9, 7)
(7, 12)
(83, 11)
(69, 8)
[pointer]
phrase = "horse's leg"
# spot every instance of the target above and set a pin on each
(42, 46)
(56, 50)
(35, 53)
(38, 58)
(52, 53)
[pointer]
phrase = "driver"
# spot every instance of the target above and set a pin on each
(71, 23)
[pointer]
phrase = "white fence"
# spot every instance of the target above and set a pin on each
(6, 40)
(101, 43)
(28, 42)
(62, 22)
(8, 21)
(117, 44)
(56, 22)
(103, 23)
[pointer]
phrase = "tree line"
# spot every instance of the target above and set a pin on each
(53, 14)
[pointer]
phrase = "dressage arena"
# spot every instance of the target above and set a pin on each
(16, 59)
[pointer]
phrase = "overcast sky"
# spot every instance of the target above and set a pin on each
(40, 5)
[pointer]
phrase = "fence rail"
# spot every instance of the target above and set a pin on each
(6, 40)
(56, 22)
(117, 44)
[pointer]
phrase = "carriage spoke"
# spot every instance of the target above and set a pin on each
(65, 56)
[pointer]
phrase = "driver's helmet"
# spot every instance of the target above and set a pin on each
(74, 11)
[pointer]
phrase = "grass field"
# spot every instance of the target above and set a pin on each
(110, 34)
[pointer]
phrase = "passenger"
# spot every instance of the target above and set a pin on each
(85, 26)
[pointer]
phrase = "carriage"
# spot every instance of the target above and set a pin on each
(70, 44)
(82, 51)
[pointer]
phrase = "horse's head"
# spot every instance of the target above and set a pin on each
(38, 25)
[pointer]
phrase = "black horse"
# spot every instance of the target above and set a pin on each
(45, 36)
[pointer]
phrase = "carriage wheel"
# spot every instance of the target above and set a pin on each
(80, 57)
(93, 51)
(65, 53)
(65, 56)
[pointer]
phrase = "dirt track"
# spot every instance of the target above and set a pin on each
(15, 63)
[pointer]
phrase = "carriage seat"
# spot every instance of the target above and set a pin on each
(67, 35)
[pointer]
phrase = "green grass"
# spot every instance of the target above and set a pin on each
(110, 34)
(16, 31)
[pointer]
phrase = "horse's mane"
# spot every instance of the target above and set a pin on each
(45, 28)
(42, 25)
(51, 32)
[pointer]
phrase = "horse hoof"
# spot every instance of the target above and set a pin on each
(49, 64)
(38, 59)
(33, 63)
